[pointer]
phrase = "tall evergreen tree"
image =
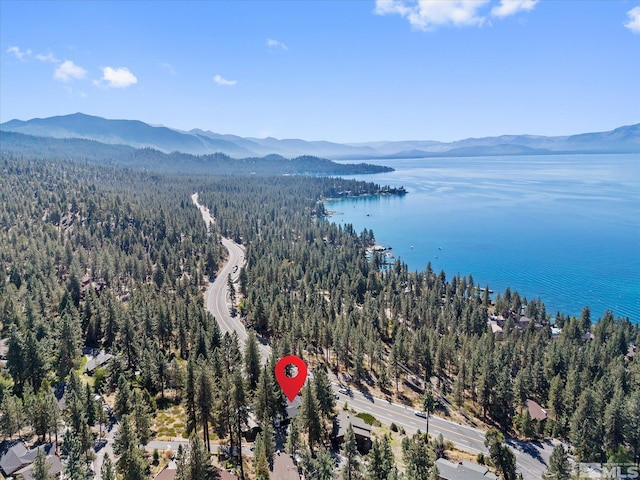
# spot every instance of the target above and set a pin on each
(428, 403)
(190, 394)
(309, 413)
(417, 457)
(68, 343)
(380, 459)
(75, 468)
(632, 427)
(107, 470)
(586, 429)
(323, 391)
(252, 362)
(239, 414)
(199, 467)
(351, 469)
(559, 465)
(41, 467)
(501, 455)
(205, 402)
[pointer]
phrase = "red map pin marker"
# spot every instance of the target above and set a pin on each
(291, 385)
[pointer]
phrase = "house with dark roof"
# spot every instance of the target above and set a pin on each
(464, 470)
(361, 430)
(96, 358)
(535, 410)
(17, 456)
(53, 462)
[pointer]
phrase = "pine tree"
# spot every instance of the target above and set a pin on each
(75, 468)
(132, 464)
(107, 471)
(380, 459)
(264, 402)
(16, 357)
(309, 414)
(614, 421)
(501, 455)
(260, 461)
(200, 467)
(252, 362)
(12, 417)
(190, 394)
(239, 413)
(68, 343)
(384, 382)
(205, 402)
(124, 400)
(320, 467)
(526, 426)
(293, 439)
(559, 466)
(428, 404)
(632, 428)
(142, 416)
(417, 457)
(41, 467)
(323, 391)
(351, 469)
(586, 429)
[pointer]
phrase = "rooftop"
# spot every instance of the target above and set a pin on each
(360, 428)
(535, 410)
(284, 468)
(463, 471)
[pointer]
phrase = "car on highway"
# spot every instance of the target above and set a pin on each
(420, 414)
(345, 390)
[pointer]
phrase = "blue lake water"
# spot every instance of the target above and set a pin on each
(565, 228)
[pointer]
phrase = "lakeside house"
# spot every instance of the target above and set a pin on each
(464, 470)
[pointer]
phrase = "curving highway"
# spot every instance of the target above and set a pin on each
(216, 297)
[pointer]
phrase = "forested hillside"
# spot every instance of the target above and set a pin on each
(115, 259)
(150, 159)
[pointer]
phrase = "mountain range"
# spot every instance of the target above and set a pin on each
(137, 134)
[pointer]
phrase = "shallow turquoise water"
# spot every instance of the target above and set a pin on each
(565, 228)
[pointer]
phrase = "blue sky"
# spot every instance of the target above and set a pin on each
(328, 70)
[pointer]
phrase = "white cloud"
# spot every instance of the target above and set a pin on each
(430, 14)
(271, 43)
(117, 77)
(68, 71)
(511, 7)
(49, 57)
(19, 54)
(634, 20)
(223, 81)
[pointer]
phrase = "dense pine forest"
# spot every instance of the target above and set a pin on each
(99, 257)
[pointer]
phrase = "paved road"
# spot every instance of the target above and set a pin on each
(531, 458)
(216, 297)
(107, 449)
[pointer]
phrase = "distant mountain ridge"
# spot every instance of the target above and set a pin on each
(138, 134)
(118, 155)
